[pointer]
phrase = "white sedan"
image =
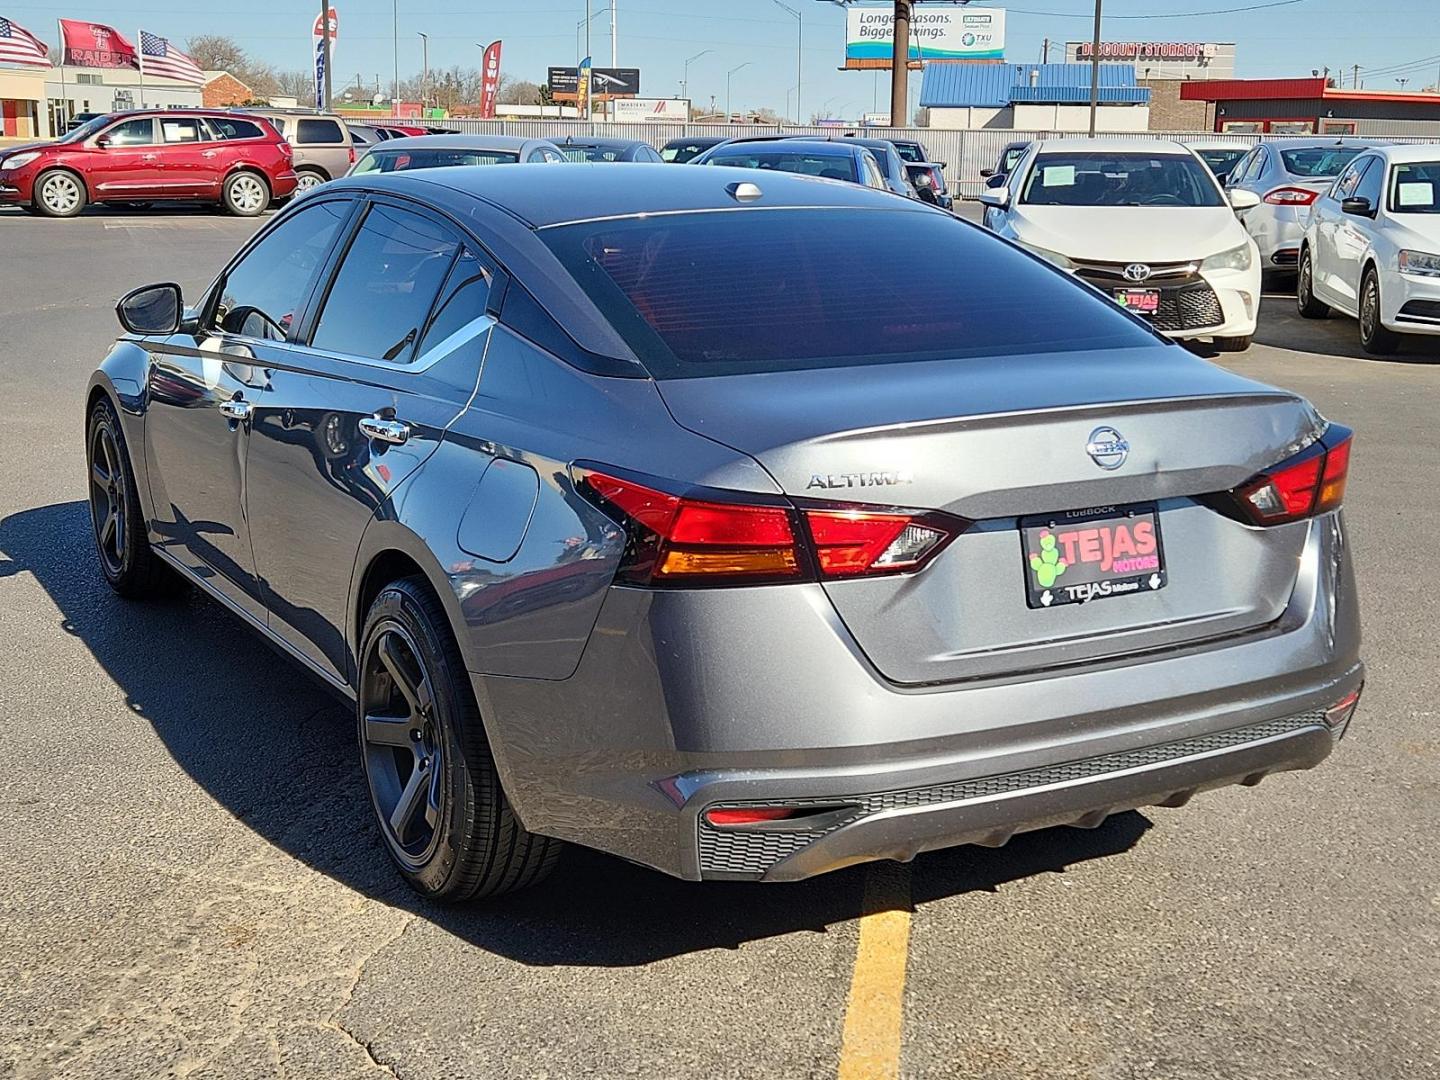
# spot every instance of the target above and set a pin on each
(1143, 220)
(1372, 248)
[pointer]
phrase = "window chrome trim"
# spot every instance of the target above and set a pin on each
(422, 363)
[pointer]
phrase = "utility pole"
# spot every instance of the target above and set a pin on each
(589, 90)
(395, 45)
(1355, 77)
(424, 69)
(325, 48)
(900, 63)
(1045, 52)
(1095, 71)
(614, 47)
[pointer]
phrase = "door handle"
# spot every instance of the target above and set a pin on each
(236, 409)
(209, 154)
(148, 157)
(385, 430)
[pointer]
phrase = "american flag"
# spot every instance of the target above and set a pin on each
(159, 57)
(19, 46)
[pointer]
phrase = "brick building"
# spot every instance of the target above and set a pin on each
(223, 90)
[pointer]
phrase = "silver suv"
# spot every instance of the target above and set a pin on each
(321, 141)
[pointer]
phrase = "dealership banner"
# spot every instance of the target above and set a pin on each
(489, 80)
(316, 37)
(605, 82)
(650, 110)
(95, 45)
(957, 34)
(583, 83)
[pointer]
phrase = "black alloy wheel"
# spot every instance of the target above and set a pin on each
(433, 782)
(117, 521)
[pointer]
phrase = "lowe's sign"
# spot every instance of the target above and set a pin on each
(934, 35)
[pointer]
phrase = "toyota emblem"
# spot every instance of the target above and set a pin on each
(1107, 448)
(1137, 272)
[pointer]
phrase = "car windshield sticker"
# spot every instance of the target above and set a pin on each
(1059, 175)
(1417, 193)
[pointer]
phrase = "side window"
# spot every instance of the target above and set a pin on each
(1345, 186)
(386, 286)
(550, 157)
(281, 126)
(226, 127)
(1241, 169)
(873, 178)
(132, 133)
(462, 301)
(318, 133)
(1257, 164)
(184, 129)
(1372, 182)
(263, 292)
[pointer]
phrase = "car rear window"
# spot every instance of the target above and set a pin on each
(773, 290)
(910, 151)
(590, 153)
(830, 166)
(1318, 161)
(383, 160)
(1221, 161)
(312, 132)
(680, 153)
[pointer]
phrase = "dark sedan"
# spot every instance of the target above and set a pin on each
(830, 160)
(439, 151)
(687, 148)
(579, 148)
(674, 513)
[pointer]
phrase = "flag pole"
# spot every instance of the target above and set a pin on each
(64, 94)
(140, 61)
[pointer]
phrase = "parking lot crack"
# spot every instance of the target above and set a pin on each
(356, 974)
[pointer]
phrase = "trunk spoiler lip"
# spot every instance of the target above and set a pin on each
(1157, 404)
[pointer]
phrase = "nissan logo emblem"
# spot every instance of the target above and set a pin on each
(1107, 448)
(1137, 272)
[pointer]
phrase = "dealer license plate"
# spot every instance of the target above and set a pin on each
(1094, 554)
(1140, 301)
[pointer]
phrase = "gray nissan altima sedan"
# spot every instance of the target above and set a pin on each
(744, 525)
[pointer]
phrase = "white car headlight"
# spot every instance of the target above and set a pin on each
(1420, 262)
(1237, 258)
(16, 161)
(1049, 256)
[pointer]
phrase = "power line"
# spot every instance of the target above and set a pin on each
(1158, 15)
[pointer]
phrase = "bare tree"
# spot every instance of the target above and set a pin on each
(216, 52)
(518, 92)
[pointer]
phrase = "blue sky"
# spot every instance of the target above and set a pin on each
(657, 36)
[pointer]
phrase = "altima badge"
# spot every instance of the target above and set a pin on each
(864, 479)
(1107, 448)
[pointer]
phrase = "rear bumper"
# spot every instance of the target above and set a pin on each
(685, 700)
(283, 185)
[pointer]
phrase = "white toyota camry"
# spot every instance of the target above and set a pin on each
(1143, 220)
(1372, 248)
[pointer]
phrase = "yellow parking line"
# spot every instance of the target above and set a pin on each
(875, 1013)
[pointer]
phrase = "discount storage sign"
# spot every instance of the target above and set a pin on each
(954, 34)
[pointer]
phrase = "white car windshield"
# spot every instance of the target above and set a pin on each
(1415, 188)
(1097, 178)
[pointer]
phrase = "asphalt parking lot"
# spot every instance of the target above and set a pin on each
(192, 885)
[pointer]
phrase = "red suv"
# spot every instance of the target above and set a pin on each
(240, 162)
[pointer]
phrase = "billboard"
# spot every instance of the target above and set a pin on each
(952, 34)
(605, 82)
(650, 110)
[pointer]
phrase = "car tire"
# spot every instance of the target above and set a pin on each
(245, 194)
(433, 783)
(1232, 344)
(1374, 338)
(59, 193)
(1305, 302)
(117, 521)
(308, 180)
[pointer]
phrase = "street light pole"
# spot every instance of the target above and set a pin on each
(1095, 70)
(325, 48)
(727, 88)
(799, 52)
(900, 64)
(395, 44)
(685, 82)
(424, 68)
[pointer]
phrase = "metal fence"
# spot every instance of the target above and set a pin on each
(964, 152)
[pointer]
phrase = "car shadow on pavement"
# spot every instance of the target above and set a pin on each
(278, 752)
(1282, 327)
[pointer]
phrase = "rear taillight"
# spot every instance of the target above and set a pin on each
(1312, 482)
(684, 540)
(287, 151)
(1291, 196)
(352, 153)
(748, 815)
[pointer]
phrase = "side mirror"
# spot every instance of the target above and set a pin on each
(986, 173)
(996, 180)
(998, 197)
(942, 164)
(103, 142)
(1357, 205)
(151, 309)
(1241, 199)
